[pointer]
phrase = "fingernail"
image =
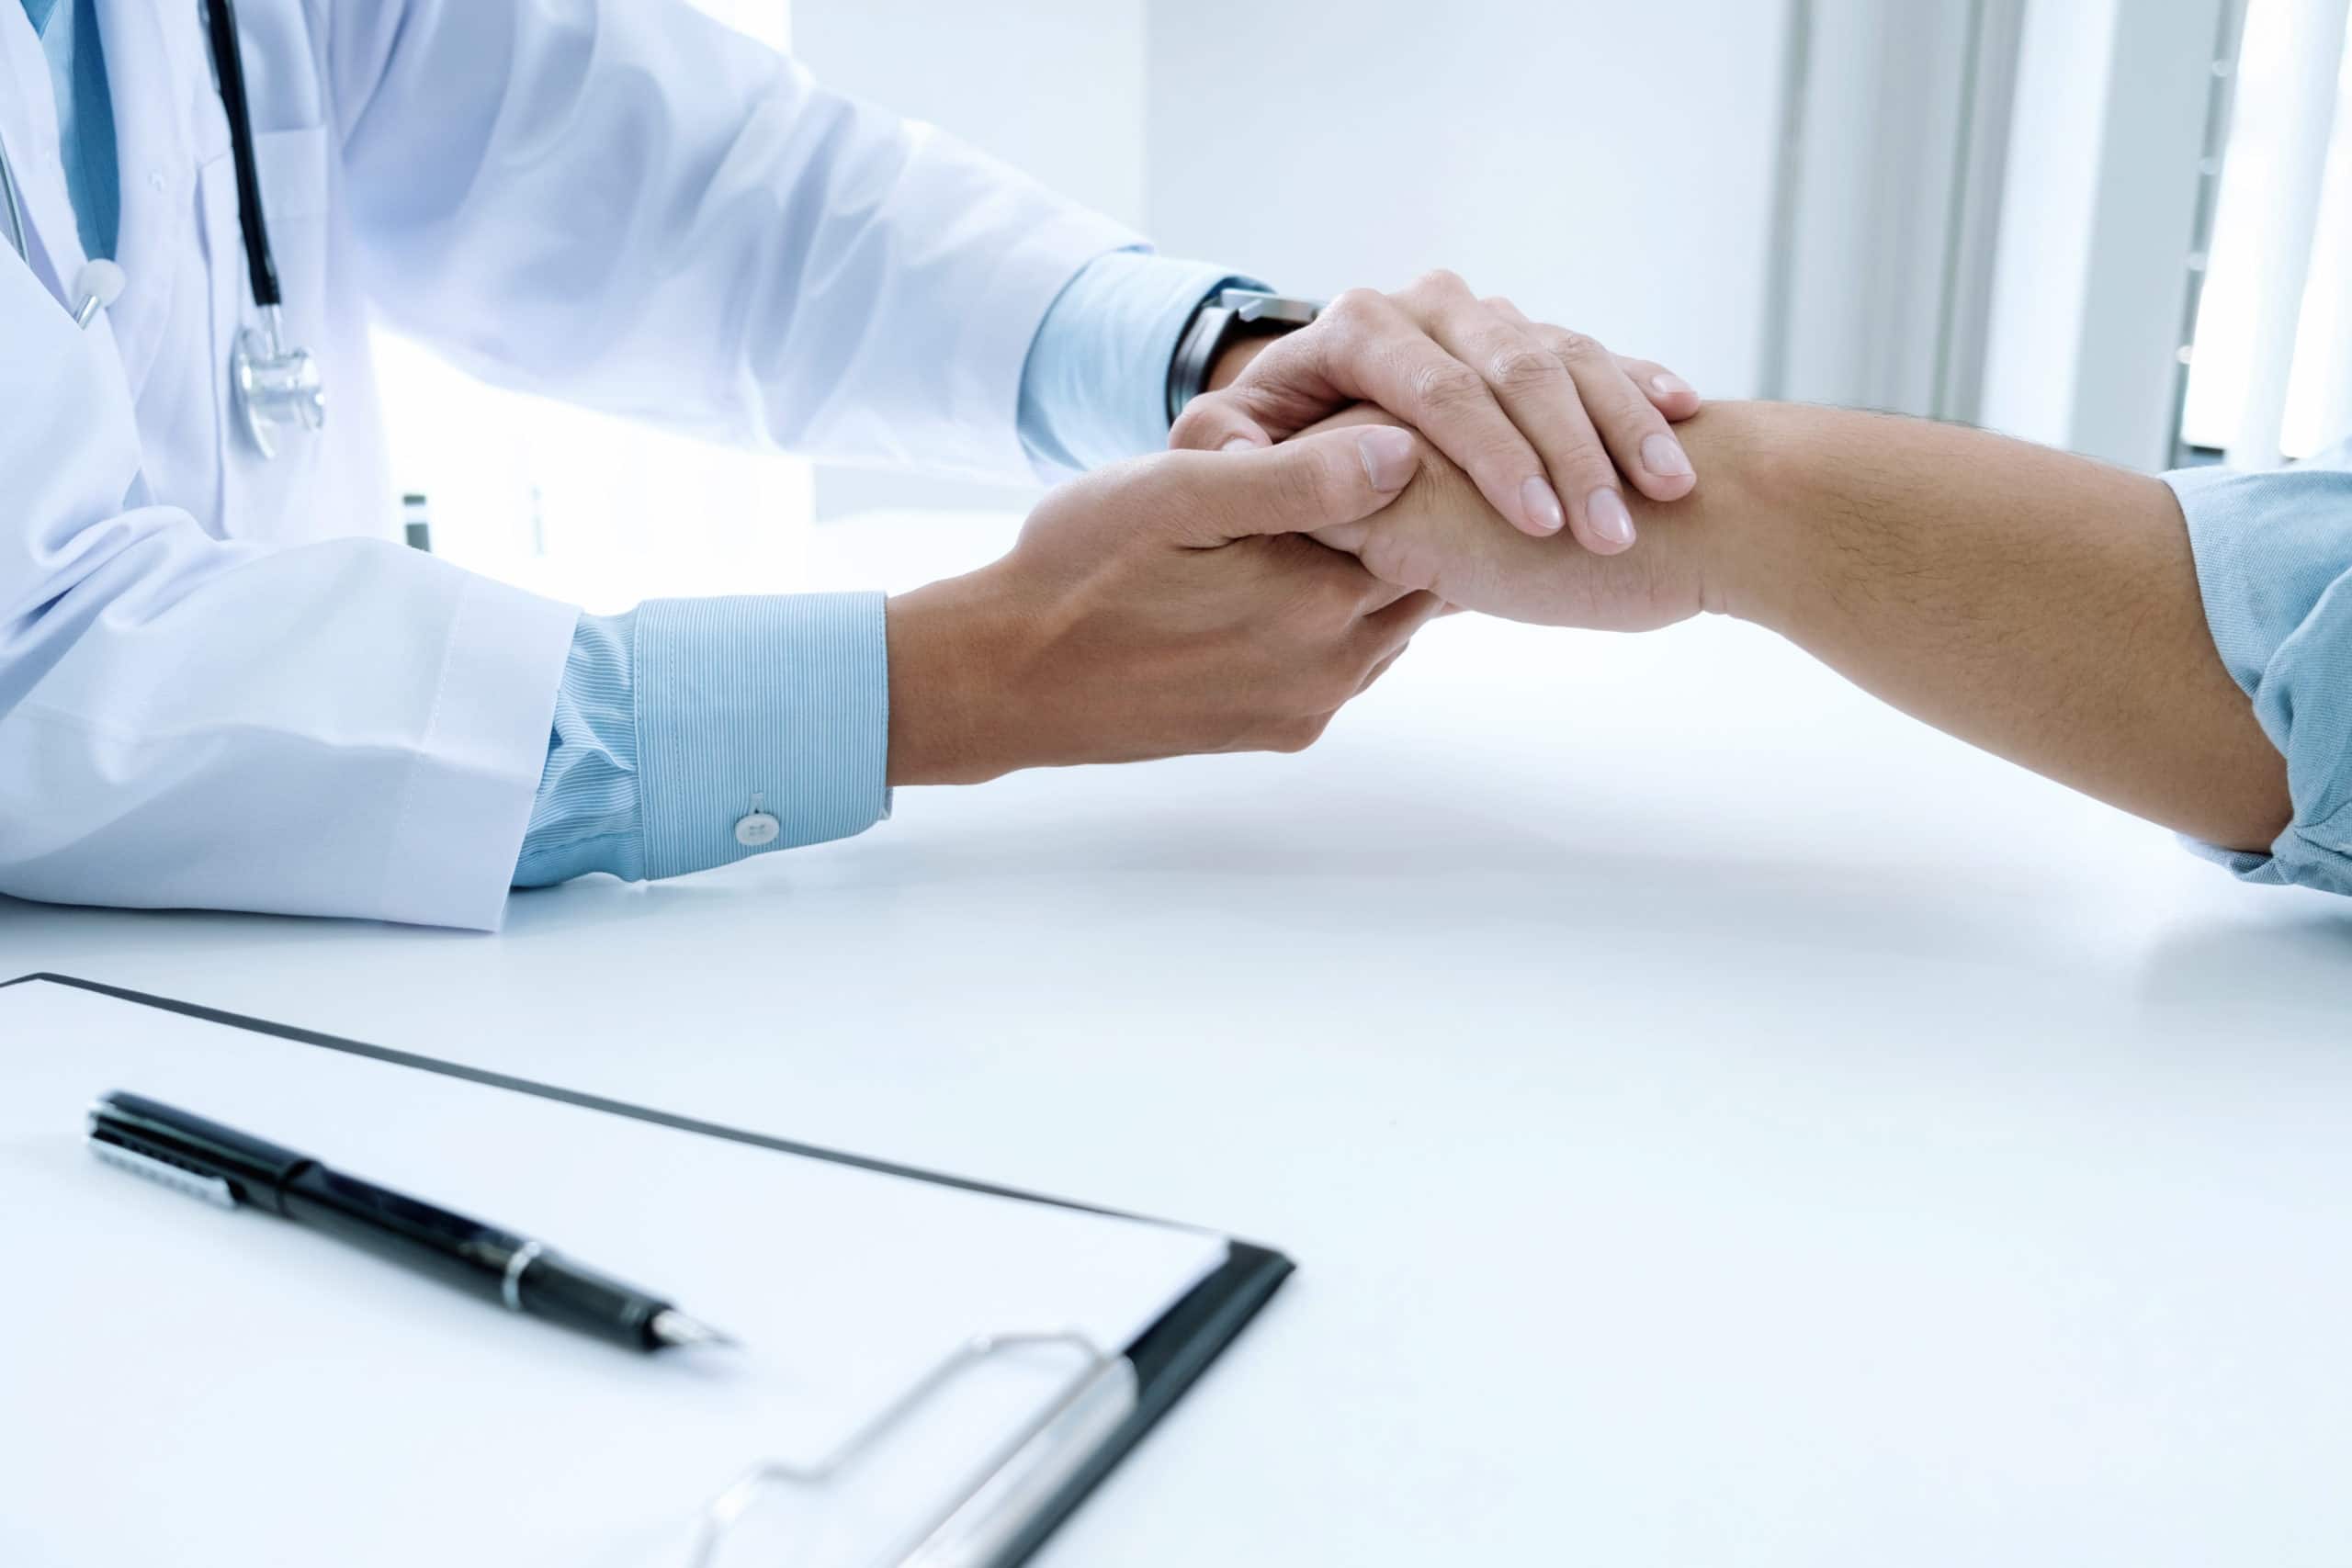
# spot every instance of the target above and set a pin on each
(1663, 455)
(1239, 444)
(1387, 456)
(1542, 507)
(1611, 524)
(1668, 385)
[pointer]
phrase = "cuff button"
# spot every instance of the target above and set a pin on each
(755, 829)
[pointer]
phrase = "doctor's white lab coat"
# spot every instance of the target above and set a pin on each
(222, 685)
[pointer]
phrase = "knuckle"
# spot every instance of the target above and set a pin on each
(1332, 340)
(1441, 283)
(1498, 302)
(1446, 385)
(1576, 347)
(1350, 308)
(1622, 408)
(1337, 336)
(1524, 368)
(1278, 361)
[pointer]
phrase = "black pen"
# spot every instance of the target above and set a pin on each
(228, 1168)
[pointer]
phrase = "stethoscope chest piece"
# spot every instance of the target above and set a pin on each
(277, 389)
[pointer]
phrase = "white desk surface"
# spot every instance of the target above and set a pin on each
(1717, 1119)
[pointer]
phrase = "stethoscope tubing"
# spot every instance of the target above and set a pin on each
(228, 63)
(261, 267)
(275, 387)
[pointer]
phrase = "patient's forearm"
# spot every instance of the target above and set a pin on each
(2037, 605)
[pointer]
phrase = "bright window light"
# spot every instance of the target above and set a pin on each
(596, 510)
(2259, 213)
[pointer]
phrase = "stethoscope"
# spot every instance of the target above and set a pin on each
(277, 388)
(96, 287)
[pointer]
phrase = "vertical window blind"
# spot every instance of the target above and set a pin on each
(2271, 358)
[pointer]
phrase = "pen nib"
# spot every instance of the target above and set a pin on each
(673, 1329)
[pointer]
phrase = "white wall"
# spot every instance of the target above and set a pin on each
(1051, 86)
(1605, 165)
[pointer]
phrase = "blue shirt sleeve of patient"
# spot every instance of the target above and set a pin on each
(2274, 564)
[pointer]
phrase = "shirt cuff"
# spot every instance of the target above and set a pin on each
(781, 705)
(1095, 386)
(676, 721)
(2274, 569)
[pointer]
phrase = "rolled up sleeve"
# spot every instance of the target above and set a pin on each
(2274, 564)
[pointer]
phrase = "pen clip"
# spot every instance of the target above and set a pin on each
(211, 1189)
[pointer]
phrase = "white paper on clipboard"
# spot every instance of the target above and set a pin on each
(192, 1386)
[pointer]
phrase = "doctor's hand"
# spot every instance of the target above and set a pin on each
(1543, 420)
(1163, 607)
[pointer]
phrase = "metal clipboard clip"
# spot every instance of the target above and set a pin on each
(983, 1512)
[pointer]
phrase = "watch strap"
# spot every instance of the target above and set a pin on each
(1222, 317)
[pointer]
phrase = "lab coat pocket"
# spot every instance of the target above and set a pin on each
(267, 500)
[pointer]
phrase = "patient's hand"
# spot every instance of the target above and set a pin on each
(1543, 420)
(1441, 535)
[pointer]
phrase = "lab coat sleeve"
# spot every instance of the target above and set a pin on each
(626, 205)
(2274, 565)
(340, 728)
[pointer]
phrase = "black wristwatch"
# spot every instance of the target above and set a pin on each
(1225, 318)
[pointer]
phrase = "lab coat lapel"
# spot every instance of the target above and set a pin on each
(157, 248)
(28, 130)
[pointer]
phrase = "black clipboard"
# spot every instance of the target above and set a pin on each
(1168, 1358)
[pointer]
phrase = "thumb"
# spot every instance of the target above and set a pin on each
(1214, 421)
(1307, 482)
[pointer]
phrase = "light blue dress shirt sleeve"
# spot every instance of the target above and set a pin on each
(77, 74)
(2274, 564)
(1095, 386)
(676, 720)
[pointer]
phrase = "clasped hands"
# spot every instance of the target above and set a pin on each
(1405, 454)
